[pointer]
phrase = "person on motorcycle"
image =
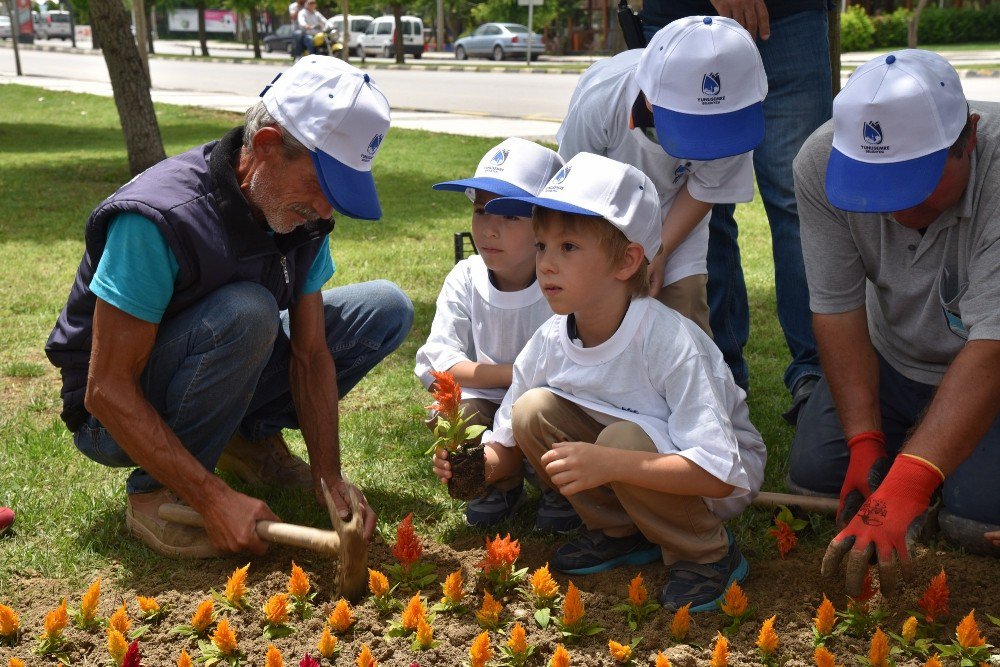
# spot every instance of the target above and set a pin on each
(310, 22)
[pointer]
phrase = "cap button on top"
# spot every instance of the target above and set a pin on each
(366, 78)
(707, 20)
(890, 59)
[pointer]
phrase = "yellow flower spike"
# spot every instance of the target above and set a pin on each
(489, 614)
(10, 624)
(298, 582)
(56, 621)
(967, 632)
(767, 640)
(224, 638)
(826, 616)
(452, 588)
(933, 661)
(88, 604)
(342, 617)
(518, 642)
(720, 654)
(480, 651)
(184, 660)
(15, 662)
(620, 652)
(910, 629)
(120, 620)
(415, 610)
(637, 593)
(327, 645)
(681, 623)
(572, 606)
(662, 660)
(378, 583)
(147, 605)
(273, 657)
(425, 634)
(735, 602)
(202, 617)
(276, 609)
(543, 586)
(365, 658)
(236, 585)
(117, 645)
(878, 654)
(823, 657)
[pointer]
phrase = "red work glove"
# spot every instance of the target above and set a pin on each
(868, 466)
(882, 524)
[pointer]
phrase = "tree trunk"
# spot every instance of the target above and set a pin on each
(141, 34)
(110, 24)
(202, 38)
(834, 34)
(914, 25)
(151, 26)
(254, 32)
(345, 37)
(397, 38)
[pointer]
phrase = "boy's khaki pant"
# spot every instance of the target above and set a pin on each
(683, 526)
(689, 297)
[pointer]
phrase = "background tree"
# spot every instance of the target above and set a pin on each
(914, 25)
(202, 37)
(251, 7)
(397, 38)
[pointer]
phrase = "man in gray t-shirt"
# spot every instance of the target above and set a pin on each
(899, 199)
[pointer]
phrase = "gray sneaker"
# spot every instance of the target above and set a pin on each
(556, 514)
(494, 506)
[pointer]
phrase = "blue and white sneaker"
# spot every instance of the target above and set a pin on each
(703, 584)
(593, 551)
(556, 514)
(494, 506)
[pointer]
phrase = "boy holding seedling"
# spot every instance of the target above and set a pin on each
(488, 308)
(621, 404)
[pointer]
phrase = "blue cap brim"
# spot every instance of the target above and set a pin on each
(710, 137)
(864, 187)
(522, 206)
(494, 185)
(349, 191)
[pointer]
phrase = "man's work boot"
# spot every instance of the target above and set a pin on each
(268, 462)
(163, 537)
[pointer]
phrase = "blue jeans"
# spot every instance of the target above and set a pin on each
(819, 455)
(222, 364)
(797, 61)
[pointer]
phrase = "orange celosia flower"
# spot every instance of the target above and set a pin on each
(55, 621)
(407, 548)
(224, 638)
(425, 634)
(273, 657)
(572, 606)
(452, 588)
(637, 593)
(342, 617)
(784, 536)
(147, 605)
(934, 601)
(88, 604)
(560, 658)
(447, 395)
(365, 658)
(662, 660)
(826, 616)
(543, 586)
(910, 629)
(867, 590)
(720, 654)
(735, 601)
(518, 642)
(203, 616)
(9, 621)
(489, 614)
(184, 660)
(767, 640)
(117, 645)
(236, 585)
(298, 582)
(823, 657)
(327, 645)
(414, 611)
(120, 620)
(620, 652)
(501, 554)
(276, 609)
(681, 623)
(878, 654)
(378, 583)
(480, 651)
(933, 661)
(15, 662)
(967, 632)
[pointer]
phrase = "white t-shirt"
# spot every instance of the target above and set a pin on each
(293, 11)
(475, 321)
(661, 372)
(310, 19)
(597, 122)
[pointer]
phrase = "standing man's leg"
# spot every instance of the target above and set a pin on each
(729, 313)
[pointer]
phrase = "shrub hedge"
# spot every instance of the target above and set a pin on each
(948, 25)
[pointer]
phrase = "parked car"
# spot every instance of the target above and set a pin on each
(378, 38)
(55, 23)
(5, 31)
(358, 25)
(499, 41)
(280, 40)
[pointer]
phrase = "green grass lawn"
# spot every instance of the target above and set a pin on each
(62, 153)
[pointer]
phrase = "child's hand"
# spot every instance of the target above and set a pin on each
(442, 467)
(993, 537)
(656, 270)
(576, 466)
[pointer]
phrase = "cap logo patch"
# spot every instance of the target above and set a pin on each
(500, 156)
(375, 143)
(872, 132)
(563, 173)
(681, 171)
(711, 84)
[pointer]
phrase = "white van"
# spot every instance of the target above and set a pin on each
(358, 24)
(54, 24)
(378, 37)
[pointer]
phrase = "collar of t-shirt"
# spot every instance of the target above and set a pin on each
(612, 347)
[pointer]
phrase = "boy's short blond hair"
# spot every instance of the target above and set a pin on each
(609, 237)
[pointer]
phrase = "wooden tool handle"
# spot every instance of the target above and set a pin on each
(314, 539)
(807, 503)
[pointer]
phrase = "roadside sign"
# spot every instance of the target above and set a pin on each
(530, 3)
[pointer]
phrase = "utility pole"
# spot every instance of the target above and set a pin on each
(345, 38)
(15, 33)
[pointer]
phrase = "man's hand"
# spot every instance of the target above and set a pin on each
(231, 522)
(341, 490)
(882, 524)
(576, 466)
(751, 14)
(868, 467)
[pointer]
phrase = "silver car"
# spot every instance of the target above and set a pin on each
(499, 41)
(4, 27)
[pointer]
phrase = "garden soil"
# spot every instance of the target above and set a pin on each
(790, 588)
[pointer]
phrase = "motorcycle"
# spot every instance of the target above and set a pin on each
(327, 43)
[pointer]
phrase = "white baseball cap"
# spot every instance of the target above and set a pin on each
(598, 186)
(705, 81)
(338, 113)
(893, 124)
(513, 168)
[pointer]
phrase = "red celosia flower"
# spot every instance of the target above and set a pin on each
(447, 395)
(407, 548)
(132, 655)
(867, 590)
(501, 554)
(308, 661)
(934, 601)
(784, 536)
